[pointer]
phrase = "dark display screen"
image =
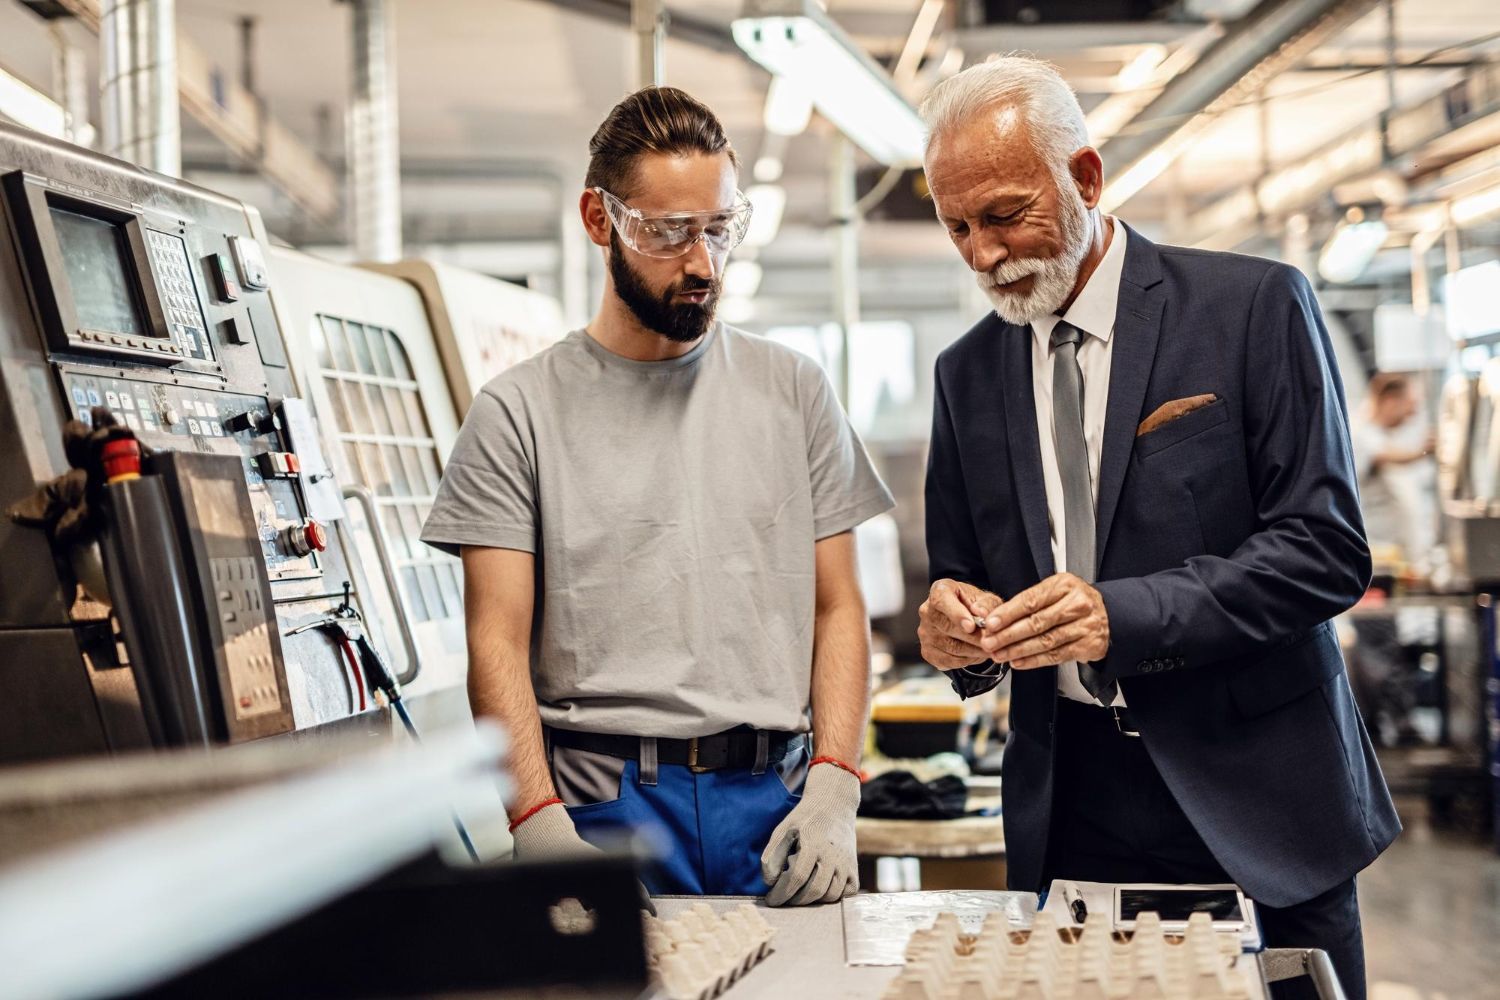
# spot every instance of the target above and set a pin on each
(97, 258)
(1179, 904)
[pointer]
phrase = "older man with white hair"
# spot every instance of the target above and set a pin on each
(1141, 505)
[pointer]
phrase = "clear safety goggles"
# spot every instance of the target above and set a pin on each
(674, 234)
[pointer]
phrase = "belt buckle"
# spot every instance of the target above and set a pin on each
(1120, 726)
(693, 758)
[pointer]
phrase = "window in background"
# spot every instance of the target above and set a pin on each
(882, 364)
(381, 424)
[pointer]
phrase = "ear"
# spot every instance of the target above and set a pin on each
(595, 217)
(1088, 174)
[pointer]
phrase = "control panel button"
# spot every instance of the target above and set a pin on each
(277, 464)
(225, 285)
(306, 538)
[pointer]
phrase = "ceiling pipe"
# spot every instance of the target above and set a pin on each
(374, 160)
(1269, 40)
(138, 85)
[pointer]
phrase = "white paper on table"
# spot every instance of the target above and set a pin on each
(877, 926)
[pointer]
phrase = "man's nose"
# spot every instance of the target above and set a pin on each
(987, 251)
(699, 262)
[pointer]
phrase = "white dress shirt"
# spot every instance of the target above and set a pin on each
(1093, 312)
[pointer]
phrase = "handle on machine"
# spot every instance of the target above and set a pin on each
(362, 496)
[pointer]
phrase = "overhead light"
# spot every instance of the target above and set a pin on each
(742, 278)
(768, 202)
(795, 39)
(768, 169)
(29, 107)
(1475, 207)
(1354, 243)
(1470, 298)
(1139, 71)
(734, 309)
(789, 107)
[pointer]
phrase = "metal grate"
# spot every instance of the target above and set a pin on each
(383, 429)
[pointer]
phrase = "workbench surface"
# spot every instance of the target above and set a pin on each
(808, 955)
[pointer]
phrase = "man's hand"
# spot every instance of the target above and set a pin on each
(1060, 619)
(549, 835)
(810, 857)
(949, 637)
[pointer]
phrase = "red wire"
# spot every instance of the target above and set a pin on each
(359, 684)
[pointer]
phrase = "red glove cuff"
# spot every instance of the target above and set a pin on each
(836, 763)
(554, 801)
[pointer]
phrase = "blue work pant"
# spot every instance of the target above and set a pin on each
(704, 832)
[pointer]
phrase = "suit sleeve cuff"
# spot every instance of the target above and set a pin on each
(1137, 631)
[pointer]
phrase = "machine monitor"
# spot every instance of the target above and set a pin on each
(108, 279)
(97, 255)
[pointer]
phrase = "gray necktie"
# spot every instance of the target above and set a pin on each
(1076, 472)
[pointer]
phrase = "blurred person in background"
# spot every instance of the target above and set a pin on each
(1393, 448)
(1141, 503)
(656, 521)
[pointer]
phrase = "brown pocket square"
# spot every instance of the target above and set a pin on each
(1175, 410)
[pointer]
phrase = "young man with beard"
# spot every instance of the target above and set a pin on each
(1141, 501)
(655, 517)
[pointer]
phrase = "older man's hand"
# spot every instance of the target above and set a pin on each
(1060, 619)
(949, 637)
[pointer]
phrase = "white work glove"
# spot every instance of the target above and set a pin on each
(549, 835)
(810, 857)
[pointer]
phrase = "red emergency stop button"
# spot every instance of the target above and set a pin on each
(305, 538)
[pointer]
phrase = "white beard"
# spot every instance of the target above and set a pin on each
(1054, 276)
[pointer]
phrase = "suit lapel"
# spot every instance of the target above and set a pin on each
(1137, 328)
(1025, 449)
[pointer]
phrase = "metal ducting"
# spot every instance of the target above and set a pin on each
(1269, 40)
(374, 169)
(138, 86)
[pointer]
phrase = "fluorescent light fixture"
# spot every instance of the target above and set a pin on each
(742, 278)
(1149, 167)
(1471, 300)
(789, 107)
(1140, 70)
(29, 107)
(768, 202)
(733, 309)
(1354, 243)
(1476, 207)
(768, 169)
(795, 39)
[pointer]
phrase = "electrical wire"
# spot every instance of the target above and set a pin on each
(359, 684)
(399, 707)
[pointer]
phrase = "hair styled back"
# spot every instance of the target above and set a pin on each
(652, 120)
(1033, 87)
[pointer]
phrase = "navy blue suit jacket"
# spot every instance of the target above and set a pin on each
(1227, 539)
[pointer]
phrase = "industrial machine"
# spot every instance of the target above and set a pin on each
(360, 344)
(482, 325)
(124, 290)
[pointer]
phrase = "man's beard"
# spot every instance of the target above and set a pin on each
(1054, 276)
(682, 322)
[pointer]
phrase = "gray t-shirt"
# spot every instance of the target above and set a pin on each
(672, 507)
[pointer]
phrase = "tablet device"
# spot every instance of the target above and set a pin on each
(1225, 904)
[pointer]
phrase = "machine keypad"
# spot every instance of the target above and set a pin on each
(179, 296)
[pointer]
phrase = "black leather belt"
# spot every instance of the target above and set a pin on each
(1121, 718)
(732, 749)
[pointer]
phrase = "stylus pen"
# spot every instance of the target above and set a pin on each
(1075, 902)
